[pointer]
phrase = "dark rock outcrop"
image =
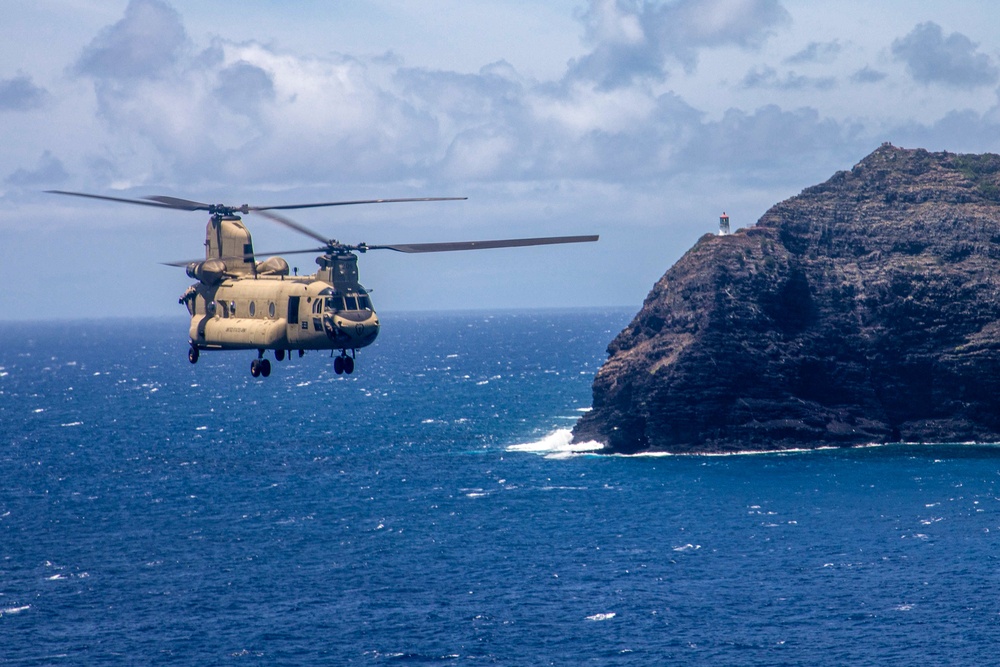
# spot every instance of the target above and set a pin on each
(864, 310)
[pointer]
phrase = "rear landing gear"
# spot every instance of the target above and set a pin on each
(193, 354)
(260, 366)
(343, 364)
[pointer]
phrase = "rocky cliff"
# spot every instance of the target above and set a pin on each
(864, 310)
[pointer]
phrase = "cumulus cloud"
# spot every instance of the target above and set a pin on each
(20, 94)
(244, 87)
(49, 171)
(249, 113)
(930, 57)
(144, 44)
(868, 75)
(816, 52)
(255, 115)
(634, 39)
(774, 142)
(767, 77)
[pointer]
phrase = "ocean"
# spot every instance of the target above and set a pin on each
(429, 510)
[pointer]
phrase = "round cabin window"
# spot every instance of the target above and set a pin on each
(253, 308)
(270, 309)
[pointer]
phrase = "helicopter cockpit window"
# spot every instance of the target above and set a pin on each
(364, 303)
(335, 303)
(352, 302)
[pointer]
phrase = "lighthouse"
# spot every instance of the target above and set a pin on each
(723, 224)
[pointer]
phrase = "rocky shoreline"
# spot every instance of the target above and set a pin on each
(864, 310)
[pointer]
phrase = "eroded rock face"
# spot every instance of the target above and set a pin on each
(864, 310)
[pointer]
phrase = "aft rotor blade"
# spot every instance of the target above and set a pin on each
(141, 202)
(351, 203)
(302, 229)
(482, 245)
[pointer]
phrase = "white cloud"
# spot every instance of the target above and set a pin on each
(144, 44)
(21, 94)
(953, 61)
(633, 40)
(49, 172)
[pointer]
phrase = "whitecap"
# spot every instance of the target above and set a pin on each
(73, 424)
(606, 616)
(14, 610)
(557, 445)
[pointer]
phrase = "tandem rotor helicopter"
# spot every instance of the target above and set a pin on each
(240, 303)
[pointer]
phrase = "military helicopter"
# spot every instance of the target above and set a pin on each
(239, 303)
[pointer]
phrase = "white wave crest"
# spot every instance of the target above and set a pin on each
(14, 610)
(558, 445)
(602, 617)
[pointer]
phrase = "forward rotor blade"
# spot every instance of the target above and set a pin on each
(181, 204)
(291, 224)
(184, 262)
(177, 203)
(141, 202)
(482, 245)
(351, 203)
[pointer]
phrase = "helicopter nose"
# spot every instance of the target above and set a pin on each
(351, 332)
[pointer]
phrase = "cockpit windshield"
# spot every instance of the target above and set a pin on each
(349, 302)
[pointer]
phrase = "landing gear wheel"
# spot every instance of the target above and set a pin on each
(279, 355)
(338, 365)
(265, 367)
(348, 365)
(255, 368)
(193, 354)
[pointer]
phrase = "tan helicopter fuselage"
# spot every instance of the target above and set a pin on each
(239, 303)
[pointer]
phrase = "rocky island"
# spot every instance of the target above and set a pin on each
(864, 310)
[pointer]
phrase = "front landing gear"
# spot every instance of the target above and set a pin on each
(193, 354)
(343, 363)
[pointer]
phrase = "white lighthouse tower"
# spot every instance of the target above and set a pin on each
(723, 224)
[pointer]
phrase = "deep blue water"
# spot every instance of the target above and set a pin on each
(154, 512)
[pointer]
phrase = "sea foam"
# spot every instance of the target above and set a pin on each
(558, 445)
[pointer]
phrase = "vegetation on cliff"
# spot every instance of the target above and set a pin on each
(864, 310)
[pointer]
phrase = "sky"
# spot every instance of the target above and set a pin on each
(638, 120)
